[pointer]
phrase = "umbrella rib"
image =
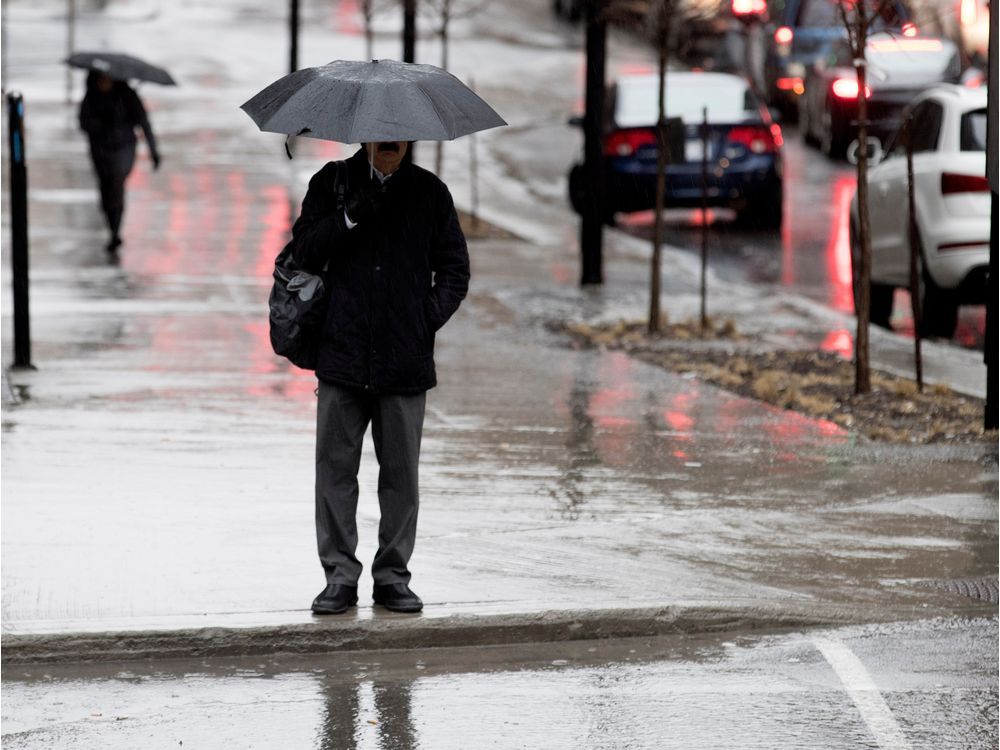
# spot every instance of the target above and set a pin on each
(436, 110)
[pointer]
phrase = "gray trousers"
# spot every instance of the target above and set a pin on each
(397, 422)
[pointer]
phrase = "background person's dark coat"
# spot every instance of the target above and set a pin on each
(109, 119)
(393, 281)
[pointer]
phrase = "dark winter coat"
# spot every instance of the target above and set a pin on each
(110, 119)
(393, 281)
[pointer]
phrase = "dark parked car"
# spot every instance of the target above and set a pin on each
(744, 148)
(899, 68)
(802, 32)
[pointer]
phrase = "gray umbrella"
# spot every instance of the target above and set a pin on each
(381, 100)
(120, 67)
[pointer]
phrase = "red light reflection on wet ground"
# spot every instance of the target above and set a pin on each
(838, 246)
(839, 342)
(562, 273)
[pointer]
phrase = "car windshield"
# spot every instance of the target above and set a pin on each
(973, 137)
(727, 98)
(909, 57)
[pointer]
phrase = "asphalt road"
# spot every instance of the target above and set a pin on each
(828, 690)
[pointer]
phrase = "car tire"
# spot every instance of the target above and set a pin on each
(805, 124)
(880, 296)
(763, 213)
(938, 309)
(833, 140)
(938, 306)
(578, 196)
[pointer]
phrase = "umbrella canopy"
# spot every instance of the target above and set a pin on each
(120, 67)
(381, 100)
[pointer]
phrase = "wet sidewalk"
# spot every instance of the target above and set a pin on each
(157, 468)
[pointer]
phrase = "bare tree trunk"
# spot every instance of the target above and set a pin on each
(663, 23)
(862, 367)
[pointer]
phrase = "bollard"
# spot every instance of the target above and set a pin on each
(19, 229)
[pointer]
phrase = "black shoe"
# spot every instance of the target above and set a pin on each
(397, 597)
(335, 599)
(114, 244)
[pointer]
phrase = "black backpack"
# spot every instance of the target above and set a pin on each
(299, 300)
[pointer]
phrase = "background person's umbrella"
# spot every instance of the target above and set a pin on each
(120, 67)
(381, 100)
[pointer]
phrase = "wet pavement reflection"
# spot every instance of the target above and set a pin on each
(753, 692)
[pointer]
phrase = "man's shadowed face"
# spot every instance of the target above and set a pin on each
(386, 155)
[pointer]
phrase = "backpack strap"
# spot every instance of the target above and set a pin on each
(340, 183)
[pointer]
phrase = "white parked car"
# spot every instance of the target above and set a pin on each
(952, 201)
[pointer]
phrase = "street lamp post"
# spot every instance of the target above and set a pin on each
(592, 220)
(293, 33)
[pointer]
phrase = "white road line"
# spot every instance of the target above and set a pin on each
(859, 685)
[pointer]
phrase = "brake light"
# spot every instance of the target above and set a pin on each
(627, 142)
(748, 7)
(758, 139)
(847, 88)
(968, 12)
(963, 183)
(791, 84)
(910, 29)
(783, 35)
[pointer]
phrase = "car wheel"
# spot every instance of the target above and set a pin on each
(763, 213)
(833, 141)
(938, 309)
(805, 124)
(880, 296)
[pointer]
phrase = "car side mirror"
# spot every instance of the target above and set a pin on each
(575, 121)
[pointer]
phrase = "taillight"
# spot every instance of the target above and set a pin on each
(783, 35)
(963, 183)
(847, 88)
(968, 12)
(748, 7)
(758, 139)
(627, 142)
(910, 29)
(791, 84)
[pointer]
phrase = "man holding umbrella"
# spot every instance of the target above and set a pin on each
(109, 114)
(397, 268)
(385, 236)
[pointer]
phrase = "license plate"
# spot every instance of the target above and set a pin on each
(693, 150)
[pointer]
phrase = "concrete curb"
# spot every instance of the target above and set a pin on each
(331, 634)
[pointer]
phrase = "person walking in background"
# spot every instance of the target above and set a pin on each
(396, 267)
(109, 114)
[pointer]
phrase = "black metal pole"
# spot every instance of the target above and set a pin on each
(410, 51)
(19, 229)
(409, 31)
(704, 219)
(293, 32)
(592, 221)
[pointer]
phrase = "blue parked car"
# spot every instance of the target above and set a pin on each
(744, 148)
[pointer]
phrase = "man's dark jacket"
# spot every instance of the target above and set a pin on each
(393, 281)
